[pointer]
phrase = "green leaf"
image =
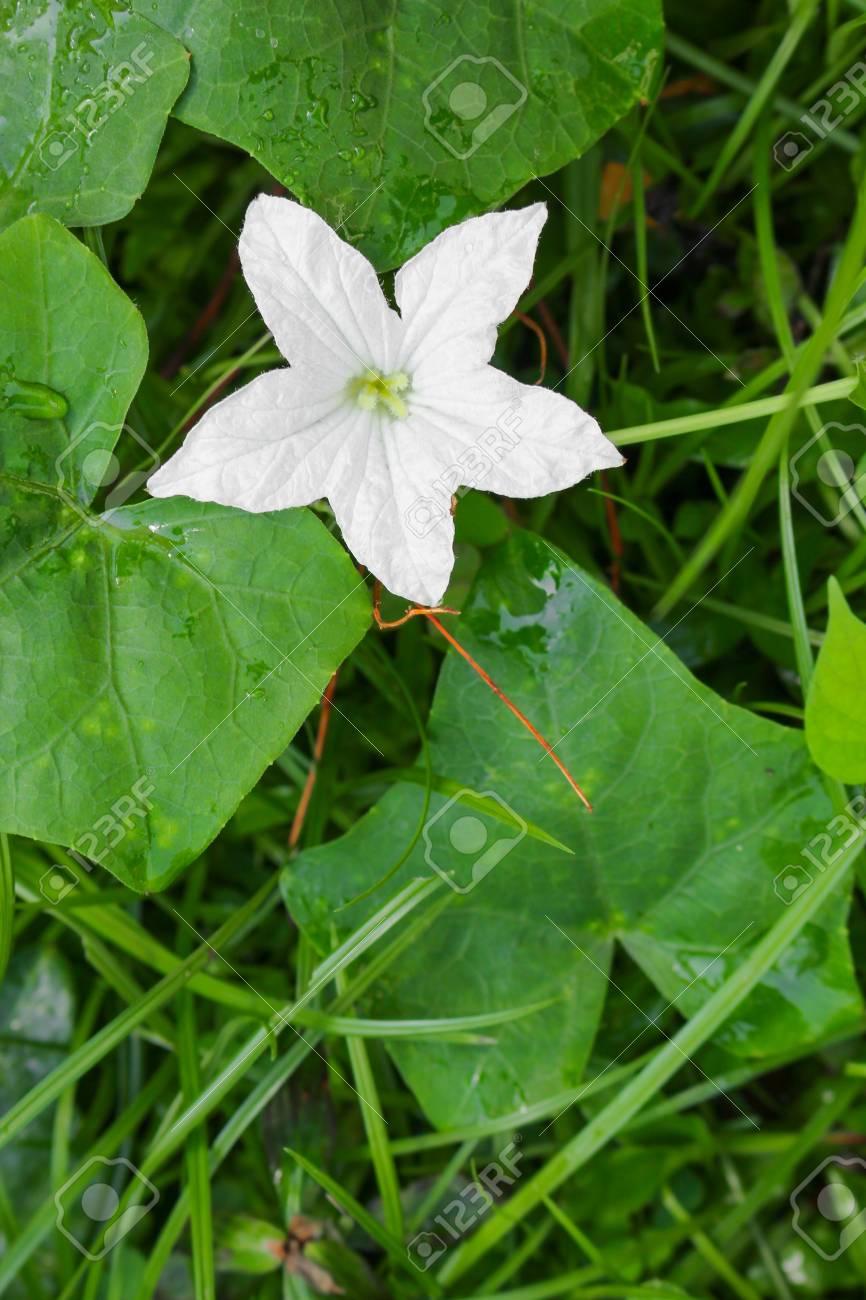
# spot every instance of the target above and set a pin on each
(156, 658)
(840, 36)
(65, 325)
(400, 121)
(480, 521)
(85, 92)
(249, 1245)
(858, 393)
(417, 776)
(700, 809)
(155, 665)
(836, 704)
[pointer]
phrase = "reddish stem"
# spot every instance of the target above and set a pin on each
(521, 717)
(609, 506)
(318, 750)
(208, 313)
(554, 331)
(211, 309)
(220, 388)
(385, 624)
(542, 341)
(430, 614)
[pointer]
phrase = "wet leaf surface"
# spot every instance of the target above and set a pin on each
(699, 806)
(85, 93)
(398, 120)
(158, 657)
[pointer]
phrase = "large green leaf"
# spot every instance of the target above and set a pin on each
(155, 665)
(836, 706)
(398, 119)
(64, 325)
(156, 658)
(85, 92)
(700, 811)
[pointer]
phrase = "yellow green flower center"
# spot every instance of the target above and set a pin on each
(372, 389)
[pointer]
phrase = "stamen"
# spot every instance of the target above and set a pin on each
(373, 389)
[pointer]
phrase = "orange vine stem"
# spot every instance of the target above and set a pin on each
(613, 528)
(318, 750)
(548, 320)
(430, 615)
(521, 717)
(385, 624)
(542, 340)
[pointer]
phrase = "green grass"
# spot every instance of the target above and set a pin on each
(202, 1038)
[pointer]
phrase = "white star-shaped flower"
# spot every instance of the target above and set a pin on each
(386, 414)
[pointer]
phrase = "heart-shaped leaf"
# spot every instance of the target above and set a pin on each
(700, 810)
(155, 658)
(396, 122)
(85, 92)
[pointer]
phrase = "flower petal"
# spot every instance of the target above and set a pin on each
(456, 291)
(272, 444)
(493, 433)
(289, 438)
(389, 518)
(319, 297)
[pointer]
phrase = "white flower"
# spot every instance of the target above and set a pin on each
(385, 414)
